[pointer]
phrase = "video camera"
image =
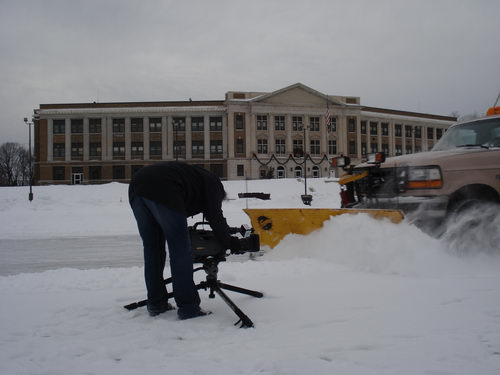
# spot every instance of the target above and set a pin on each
(205, 244)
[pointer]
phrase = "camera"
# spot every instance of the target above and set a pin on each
(205, 244)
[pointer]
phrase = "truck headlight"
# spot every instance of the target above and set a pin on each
(424, 178)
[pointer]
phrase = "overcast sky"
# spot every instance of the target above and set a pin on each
(433, 56)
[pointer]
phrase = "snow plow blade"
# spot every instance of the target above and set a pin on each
(273, 224)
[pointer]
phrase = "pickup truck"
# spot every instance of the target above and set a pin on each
(461, 171)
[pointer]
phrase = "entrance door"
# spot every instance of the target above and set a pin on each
(76, 178)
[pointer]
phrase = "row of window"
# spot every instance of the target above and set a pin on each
(117, 172)
(398, 129)
(297, 123)
(137, 149)
(398, 149)
(137, 125)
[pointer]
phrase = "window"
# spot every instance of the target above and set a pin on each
(332, 125)
(118, 172)
(374, 148)
(58, 126)
(315, 171)
(136, 125)
(239, 121)
(298, 171)
(137, 150)
(155, 124)
(261, 122)
(314, 144)
(279, 122)
(352, 147)
(363, 127)
(240, 146)
(281, 172)
(332, 147)
(408, 149)
(363, 149)
(217, 169)
(197, 124)
(95, 126)
(95, 172)
(179, 149)
(351, 124)
(418, 132)
(58, 173)
(373, 128)
(135, 168)
(216, 147)
(76, 126)
(179, 124)
(118, 125)
(59, 150)
(76, 150)
(439, 133)
(197, 149)
(398, 132)
(262, 146)
(408, 131)
(399, 150)
(298, 148)
(430, 133)
(216, 124)
(385, 129)
(314, 124)
(280, 146)
(418, 149)
(385, 149)
(95, 150)
(297, 123)
(155, 148)
(240, 170)
(118, 148)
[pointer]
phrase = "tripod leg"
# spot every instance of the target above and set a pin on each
(237, 289)
(144, 302)
(245, 320)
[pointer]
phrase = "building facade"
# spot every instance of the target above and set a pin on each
(247, 135)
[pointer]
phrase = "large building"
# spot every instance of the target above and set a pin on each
(247, 135)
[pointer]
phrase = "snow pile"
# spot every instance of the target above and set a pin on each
(358, 296)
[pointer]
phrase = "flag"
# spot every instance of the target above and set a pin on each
(328, 117)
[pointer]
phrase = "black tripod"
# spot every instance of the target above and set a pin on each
(211, 267)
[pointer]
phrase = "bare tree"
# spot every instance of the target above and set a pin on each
(14, 165)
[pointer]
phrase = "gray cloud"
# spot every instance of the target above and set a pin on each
(430, 56)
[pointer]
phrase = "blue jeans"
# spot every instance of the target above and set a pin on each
(158, 223)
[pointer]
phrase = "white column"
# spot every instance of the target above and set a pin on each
(206, 137)
(167, 139)
(188, 138)
(86, 138)
(50, 140)
(67, 139)
(127, 139)
(145, 137)
(271, 138)
(225, 151)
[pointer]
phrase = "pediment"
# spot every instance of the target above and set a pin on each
(297, 94)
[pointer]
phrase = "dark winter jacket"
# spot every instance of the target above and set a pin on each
(185, 188)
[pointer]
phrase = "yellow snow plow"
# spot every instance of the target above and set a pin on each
(273, 224)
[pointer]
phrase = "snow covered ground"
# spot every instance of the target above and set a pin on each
(358, 296)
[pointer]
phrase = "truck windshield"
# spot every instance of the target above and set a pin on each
(483, 133)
